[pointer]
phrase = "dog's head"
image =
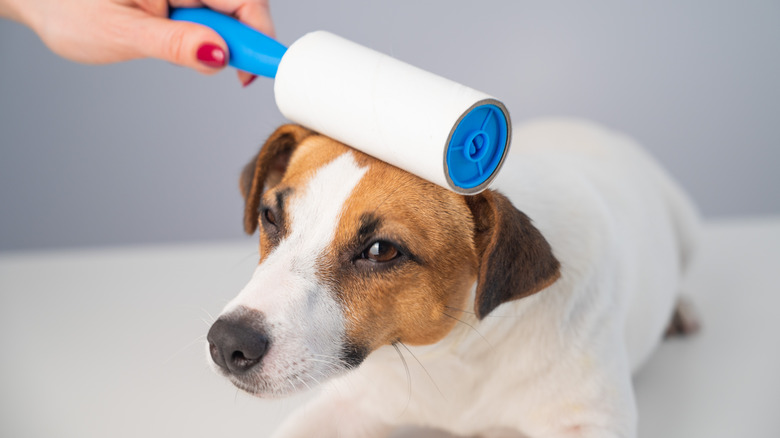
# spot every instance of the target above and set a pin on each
(356, 254)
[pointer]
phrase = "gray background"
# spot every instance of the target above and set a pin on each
(148, 152)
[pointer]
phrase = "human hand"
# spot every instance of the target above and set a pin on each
(105, 31)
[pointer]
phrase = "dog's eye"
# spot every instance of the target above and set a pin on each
(380, 252)
(269, 216)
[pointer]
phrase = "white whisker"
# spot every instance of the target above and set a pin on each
(179, 351)
(470, 326)
(423, 367)
(303, 381)
(408, 378)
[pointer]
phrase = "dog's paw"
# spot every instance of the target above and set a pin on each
(684, 320)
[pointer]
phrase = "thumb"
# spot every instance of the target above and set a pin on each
(183, 43)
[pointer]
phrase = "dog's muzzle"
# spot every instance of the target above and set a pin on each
(238, 341)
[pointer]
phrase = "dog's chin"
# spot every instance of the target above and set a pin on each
(270, 389)
(260, 385)
(263, 389)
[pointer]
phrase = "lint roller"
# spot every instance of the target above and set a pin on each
(437, 129)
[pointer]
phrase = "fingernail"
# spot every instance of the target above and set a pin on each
(211, 55)
(250, 80)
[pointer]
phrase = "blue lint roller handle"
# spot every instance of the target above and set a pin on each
(250, 50)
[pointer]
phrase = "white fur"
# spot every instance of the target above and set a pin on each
(555, 364)
(303, 319)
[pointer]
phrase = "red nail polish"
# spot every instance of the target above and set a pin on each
(211, 55)
(250, 80)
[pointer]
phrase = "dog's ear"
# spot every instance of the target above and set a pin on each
(267, 168)
(515, 259)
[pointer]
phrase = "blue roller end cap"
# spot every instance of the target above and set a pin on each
(249, 49)
(477, 146)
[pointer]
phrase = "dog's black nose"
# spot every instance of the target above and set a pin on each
(237, 343)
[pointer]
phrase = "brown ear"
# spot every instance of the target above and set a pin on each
(515, 259)
(266, 169)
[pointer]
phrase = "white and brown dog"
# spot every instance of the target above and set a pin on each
(515, 314)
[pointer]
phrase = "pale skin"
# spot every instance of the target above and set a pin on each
(107, 31)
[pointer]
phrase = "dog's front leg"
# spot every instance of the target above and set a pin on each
(331, 415)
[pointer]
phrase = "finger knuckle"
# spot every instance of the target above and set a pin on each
(175, 45)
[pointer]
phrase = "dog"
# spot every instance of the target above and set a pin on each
(520, 311)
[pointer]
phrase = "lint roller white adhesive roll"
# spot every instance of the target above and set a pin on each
(437, 129)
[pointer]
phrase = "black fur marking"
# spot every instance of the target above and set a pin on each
(369, 223)
(281, 195)
(353, 355)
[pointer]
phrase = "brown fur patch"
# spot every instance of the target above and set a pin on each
(411, 300)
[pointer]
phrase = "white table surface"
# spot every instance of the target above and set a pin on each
(110, 343)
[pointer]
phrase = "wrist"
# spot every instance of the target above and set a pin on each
(14, 10)
(8, 9)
